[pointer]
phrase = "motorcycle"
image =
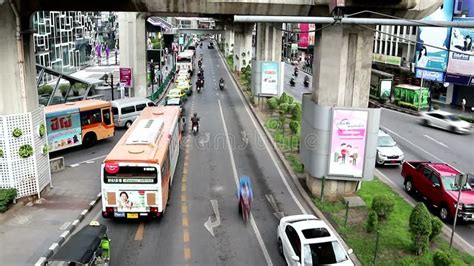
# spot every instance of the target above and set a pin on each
(292, 82)
(221, 86)
(306, 82)
(195, 129)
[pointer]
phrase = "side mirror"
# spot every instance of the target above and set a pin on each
(295, 258)
(350, 251)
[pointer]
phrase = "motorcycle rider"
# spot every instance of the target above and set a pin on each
(195, 121)
(296, 71)
(221, 82)
(292, 81)
(306, 81)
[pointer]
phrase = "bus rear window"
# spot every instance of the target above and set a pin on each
(132, 175)
(184, 60)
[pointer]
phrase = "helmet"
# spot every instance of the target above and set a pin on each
(195, 114)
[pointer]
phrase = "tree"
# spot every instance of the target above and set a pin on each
(284, 107)
(383, 205)
(296, 113)
(294, 128)
(441, 258)
(272, 104)
(63, 88)
(45, 89)
(283, 98)
(282, 119)
(420, 227)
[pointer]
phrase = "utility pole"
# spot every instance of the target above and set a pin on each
(112, 84)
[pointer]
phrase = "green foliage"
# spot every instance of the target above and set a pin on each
(291, 107)
(45, 89)
(282, 119)
(296, 112)
(272, 124)
(372, 221)
(408, 106)
(25, 151)
(42, 130)
(17, 132)
(7, 195)
(272, 104)
(79, 86)
(283, 107)
(63, 88)
(420, 228)
(230, 60)
(45, 149)
(467, 118)
(383, 205)
(283, 98)
(436, 227)
(294, 127)
(441, 258)
(290, 100)
(1, 153)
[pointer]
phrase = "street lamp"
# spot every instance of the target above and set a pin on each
(105, 78)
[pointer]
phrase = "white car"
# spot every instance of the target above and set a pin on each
(306, 240)
(388, 153)
(446, 121)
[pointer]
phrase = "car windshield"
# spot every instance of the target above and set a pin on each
(386, 141)
(172, 102)
(324, 253)
(449, 184)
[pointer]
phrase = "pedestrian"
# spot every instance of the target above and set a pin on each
(107, 53)
(98, 53)
(463, 105)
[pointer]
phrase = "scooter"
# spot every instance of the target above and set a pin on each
(198, 89)
(195, 129)
(221, 86)
(292, 82)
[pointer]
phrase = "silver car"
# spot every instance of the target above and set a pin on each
(446, 121)
(388, 153)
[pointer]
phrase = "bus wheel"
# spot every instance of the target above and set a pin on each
(89, 139)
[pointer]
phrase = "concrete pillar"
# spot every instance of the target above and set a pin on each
(268, 43)
(449, 94)
(229, 40)
(341, 78)
(133, 49)
(243, 45)
(18, 91)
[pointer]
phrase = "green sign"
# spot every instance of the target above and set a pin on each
(387, 59)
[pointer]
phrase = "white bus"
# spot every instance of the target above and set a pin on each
(137, 174)
(185, 61)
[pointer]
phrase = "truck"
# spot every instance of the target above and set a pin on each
(435, 182)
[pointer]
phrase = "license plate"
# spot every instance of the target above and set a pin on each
(132, 215)
(119, 214)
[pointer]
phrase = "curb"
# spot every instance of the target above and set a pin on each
(69, 230)
(398, 109)
(288, 168)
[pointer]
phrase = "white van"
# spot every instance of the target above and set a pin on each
(127, 110)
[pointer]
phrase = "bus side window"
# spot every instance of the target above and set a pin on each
(106, 116)
(91, 117)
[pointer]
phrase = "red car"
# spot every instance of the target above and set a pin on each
(435, 182)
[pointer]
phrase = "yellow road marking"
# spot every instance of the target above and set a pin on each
(186, 235)
(186, 222)
(187, 253)
(184, 209)
(183, 180)
(139, 233)
(183, 197)
(183, 188)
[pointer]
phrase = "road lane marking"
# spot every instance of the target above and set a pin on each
(187, 254)
(259, 131)
(413, 144)
(437, 141)
(234, 170)
(139, 233)
(87, 161)
(185, 235)
(209, 225)
(185, 221)
(183, 197)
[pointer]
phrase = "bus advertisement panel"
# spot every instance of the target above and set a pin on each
(64, 129)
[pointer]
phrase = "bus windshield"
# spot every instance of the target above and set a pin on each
(132, 175)
(184, 60)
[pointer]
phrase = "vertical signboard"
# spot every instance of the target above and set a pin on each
(428, 57)
(460, 62)
(126, 76)
(64, 129)
(270, 74)
(348, 138)
(304, 36)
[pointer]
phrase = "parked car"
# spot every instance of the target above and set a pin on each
(445, 120)
(388, 152)
(126, 110)
(175, 102)
(306, 240)
(435, 182)
(184, 85)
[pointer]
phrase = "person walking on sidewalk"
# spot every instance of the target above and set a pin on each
(107, 53)
(463, 105)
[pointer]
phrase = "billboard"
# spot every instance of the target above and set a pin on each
(431, 58)
(131, 200)
(126, 76)
(460, 62)
(304, 36)
(348, 138)
(270, 74)
(464, 8)
(64, 129)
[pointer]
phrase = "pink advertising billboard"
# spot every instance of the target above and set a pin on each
(348, 137)
(304, 36)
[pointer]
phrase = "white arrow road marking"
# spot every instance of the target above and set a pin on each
(435, 140)
(245, 139)
(209, 224)
(204, 141)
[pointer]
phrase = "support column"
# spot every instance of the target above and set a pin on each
(229, 40)
(133, 49)
(268, 43)
(341, 78)
(243, 45)
(18, 91)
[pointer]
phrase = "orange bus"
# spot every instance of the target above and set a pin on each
(76, 123)
(137, 174)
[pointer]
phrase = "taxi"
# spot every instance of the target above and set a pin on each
(184, 85)
(177, 93)
(182, 78)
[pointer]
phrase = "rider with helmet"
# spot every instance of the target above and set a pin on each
(195, 121)
(245, 193)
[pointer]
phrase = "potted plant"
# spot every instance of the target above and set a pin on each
(1, 153)
(17, 132)
(41, 130)
(25, 151)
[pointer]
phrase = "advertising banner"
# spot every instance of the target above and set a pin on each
(348, 137)
(131, 201)
(460, 62)
(429, 75)
(126, 76)
(429, 57)
(311, 34)
(270, 74)
(385, 88)
(304, 36)
(64, 129)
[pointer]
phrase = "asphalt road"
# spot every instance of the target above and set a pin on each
(212, 171)
(417, 142)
